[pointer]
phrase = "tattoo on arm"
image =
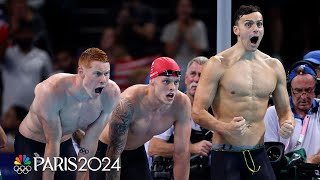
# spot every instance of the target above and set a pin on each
(83, 150)
(119, 126)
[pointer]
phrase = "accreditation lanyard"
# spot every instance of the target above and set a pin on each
(303, 131)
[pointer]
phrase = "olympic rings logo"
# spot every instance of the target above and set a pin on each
(21, 169)
(83, 151)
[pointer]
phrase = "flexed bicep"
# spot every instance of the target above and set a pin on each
(280, 96)
(208, 84)
(206, 93)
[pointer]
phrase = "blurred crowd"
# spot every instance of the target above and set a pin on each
(31, 49)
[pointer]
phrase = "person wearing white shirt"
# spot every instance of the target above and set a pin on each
(302, 87)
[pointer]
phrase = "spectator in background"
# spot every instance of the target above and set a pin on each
(18, 10)
(24, 67)
(185, 37)
(302, 89)
(10, 123)
(108, 41)
(136, 22)
(314, 58)
(124, 66)
(3, 47)
(64, 62)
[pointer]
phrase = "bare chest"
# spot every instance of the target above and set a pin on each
(255, 81)
(150, 124)
(79, 115)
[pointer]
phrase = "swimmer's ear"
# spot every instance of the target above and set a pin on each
(236, 30)
(80, 72)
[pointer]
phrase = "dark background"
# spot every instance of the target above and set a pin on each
(79, 23)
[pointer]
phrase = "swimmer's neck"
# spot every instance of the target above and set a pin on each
(151, 103)
(242, 53)
(77, 91)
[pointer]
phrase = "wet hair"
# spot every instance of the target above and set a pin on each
(244, 10)
(90, 55)
(200, 60)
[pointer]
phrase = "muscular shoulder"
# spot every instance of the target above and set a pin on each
(54, 86)
(50, 95)
(182, 101)
(215, 67)
(273, 62)
(134, 93)
(225, 59)
(111, 92)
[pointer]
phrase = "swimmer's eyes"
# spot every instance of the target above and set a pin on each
(100, 74)
(166, 81)
(250, 23)
(260, 24)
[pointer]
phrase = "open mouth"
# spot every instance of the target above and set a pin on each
(254, 40)
(170, 95)
(98, 90)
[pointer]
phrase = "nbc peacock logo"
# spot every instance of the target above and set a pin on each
(22, 164)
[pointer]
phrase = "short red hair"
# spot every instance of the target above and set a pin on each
(92, 54)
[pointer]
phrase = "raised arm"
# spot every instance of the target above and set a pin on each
(205, 94)
(182, 131)
(46, 106)
(118, 132)
(281, 102)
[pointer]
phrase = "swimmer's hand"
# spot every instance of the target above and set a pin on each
(237, 126)
(202, 148)
(286, 129)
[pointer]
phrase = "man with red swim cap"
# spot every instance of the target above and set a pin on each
(164, 64)
(145, 111)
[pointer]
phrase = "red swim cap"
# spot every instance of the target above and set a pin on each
(162, 64)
